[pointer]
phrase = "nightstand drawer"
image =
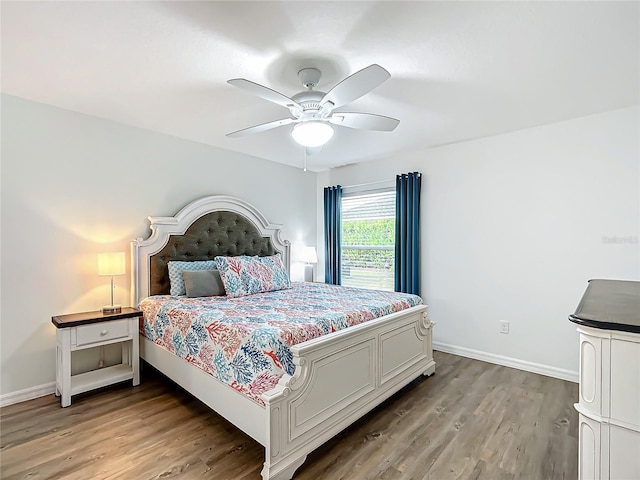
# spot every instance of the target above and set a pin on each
(101, 332)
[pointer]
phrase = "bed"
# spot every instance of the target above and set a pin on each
(336, 378)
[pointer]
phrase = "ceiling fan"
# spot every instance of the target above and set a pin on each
(313, 112)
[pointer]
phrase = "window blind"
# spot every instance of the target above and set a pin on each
(368, 240)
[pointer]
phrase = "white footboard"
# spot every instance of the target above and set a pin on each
(339, 378)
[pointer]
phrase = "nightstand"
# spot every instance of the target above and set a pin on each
(78, 331)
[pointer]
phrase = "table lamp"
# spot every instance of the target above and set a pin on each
(111, 264)
(309, 257)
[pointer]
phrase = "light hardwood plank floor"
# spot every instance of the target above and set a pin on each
(471, 420)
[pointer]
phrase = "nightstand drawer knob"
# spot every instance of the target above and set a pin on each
(103, 333)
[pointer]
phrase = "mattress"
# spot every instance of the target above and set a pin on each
(245, 342)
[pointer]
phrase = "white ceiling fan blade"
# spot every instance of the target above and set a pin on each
(364, 121)
(261, 128)
(264, 92)
(356, 85)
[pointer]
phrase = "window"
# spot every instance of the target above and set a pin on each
(368, 240)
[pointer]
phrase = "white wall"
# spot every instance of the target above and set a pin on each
(75, 185)
(514, 225)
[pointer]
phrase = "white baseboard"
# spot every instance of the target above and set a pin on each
(27, 394)
(546, 370)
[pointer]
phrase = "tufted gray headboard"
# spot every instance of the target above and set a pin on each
(211, 226)
(216, 233)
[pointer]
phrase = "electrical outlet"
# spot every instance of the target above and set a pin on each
(504, 326)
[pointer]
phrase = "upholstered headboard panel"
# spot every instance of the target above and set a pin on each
(217, 233)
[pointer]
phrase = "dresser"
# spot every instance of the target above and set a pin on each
(608, 319)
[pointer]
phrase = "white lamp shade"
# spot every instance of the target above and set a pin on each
(312, 133)
(111, 263)
(308, 255)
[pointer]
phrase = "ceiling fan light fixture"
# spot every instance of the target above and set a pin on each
(312, 133)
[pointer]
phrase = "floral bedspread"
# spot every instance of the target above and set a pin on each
(244, 342)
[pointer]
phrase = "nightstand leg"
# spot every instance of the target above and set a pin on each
(65, 366)
(58, 363)
(135, 354)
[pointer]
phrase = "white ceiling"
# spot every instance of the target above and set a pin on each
(459, 70)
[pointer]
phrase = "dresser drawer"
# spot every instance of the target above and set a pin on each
(101, 332)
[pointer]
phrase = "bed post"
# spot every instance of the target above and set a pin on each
(135, 272)
(279, 464)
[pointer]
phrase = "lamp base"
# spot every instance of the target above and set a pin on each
(112, 309)
(308, 273)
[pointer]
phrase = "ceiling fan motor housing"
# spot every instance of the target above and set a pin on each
(310, 99)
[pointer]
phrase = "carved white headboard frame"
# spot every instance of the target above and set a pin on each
(163, 227)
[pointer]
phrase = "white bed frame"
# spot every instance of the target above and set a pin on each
(338, 378)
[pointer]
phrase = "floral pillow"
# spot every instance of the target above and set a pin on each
(244, 275)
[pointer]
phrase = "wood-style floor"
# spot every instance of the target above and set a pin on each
(471, 420)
